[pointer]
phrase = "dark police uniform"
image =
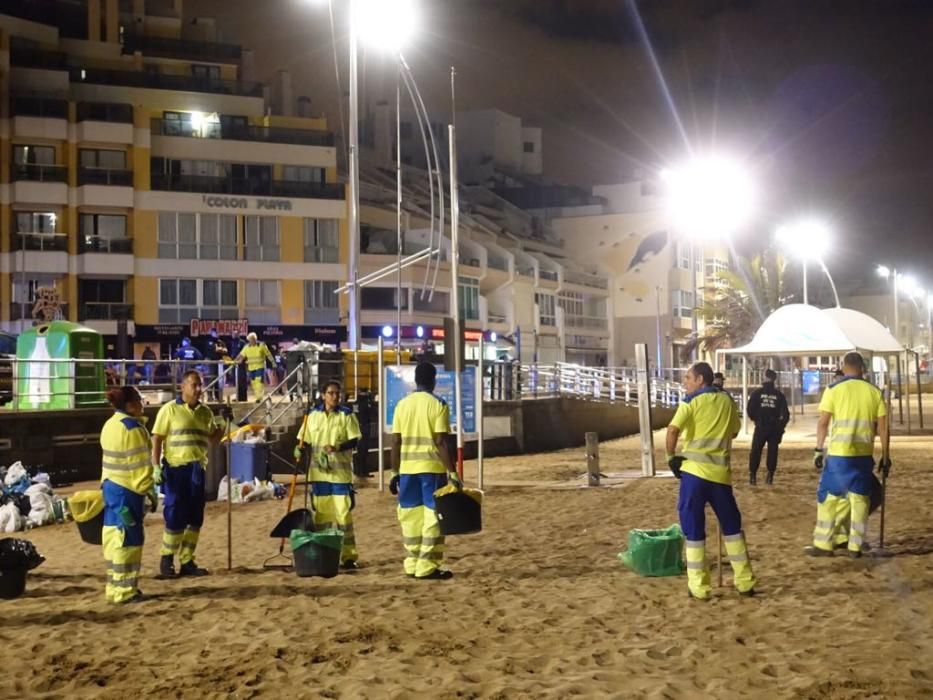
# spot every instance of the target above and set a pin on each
(767, 407)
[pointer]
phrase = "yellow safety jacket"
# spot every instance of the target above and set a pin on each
(418, 417)
(708, 419)
(856, 407)
(186, 432)
(334, 428)
(256, 356)
(125, 444)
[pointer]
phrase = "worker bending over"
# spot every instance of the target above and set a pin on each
(709, 421)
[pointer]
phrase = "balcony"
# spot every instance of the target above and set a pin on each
(597, 323)
(113, 112)
(105, 311)
(492, 317)
(36, 172)
(21, 106)
(57, 242)
(497, 263)
(263, 134)
(38, 58)
(525, 271)
(208, 184)
(23, 312)
(548, 275)
(586, 280)
(167, 47)
(105, 176)
(99, 244)
(158, 81)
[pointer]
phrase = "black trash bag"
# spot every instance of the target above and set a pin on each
(23, 504)
(18, 554)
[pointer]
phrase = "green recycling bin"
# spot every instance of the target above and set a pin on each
(49, 372)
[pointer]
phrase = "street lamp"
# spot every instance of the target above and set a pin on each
(807, 240)
(708, 198)
(892, 274)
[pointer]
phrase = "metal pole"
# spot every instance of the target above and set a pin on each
(455, 289)
(353, 325)
(380, 383)
(693, 286)
(806, 299)
(919, 395)
(479, 418)
(398, 214)
(897, 325)
(744, 393)
(657, 295)
(229, 494)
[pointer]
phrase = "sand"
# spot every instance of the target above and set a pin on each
(539, 607)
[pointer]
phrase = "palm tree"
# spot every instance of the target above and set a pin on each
(739, 300)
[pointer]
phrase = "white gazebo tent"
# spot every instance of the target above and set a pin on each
(800, 329)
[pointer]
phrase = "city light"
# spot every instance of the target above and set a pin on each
(883, 271)
(807, 239)
(910, 286)
(385, 24)
(493, 336)
(387, 331)
(419, 331)
(709, 197)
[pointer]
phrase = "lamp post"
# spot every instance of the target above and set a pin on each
(892, 274)
(807, 240)
(708, 198)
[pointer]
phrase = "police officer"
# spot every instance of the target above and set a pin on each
(421, 464)
(858, 413)
(181, 434)
(255, 354)
(709, 420)
(366, 410)
(214, 351)
(331, 432)
(126, 480)
(767, 407)
(189, 354)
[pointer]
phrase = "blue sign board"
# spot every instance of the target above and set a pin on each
(811, 382)
(400, 382)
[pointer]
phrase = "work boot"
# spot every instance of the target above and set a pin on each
(167, 566)
(769, 480)
(189, 568)
(752, 479)
(812, 551)
(350, 565)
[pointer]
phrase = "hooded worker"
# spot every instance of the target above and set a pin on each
(255, 354)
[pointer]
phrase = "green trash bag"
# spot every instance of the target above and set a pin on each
(316, 553)
(655, 552)
(330, 538)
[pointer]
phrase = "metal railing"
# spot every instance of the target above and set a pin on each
(23, 106)
(245, 132)
(104, 311)
(20, 311)
(164, 81)
(211, 184)
(40, 241)
(610, 384)
(39, 172)
(586, 280)
(591, 322)
(120, 177)
(114, 112)
(168, 47)
(100, 244)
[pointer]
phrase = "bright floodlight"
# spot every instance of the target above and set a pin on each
(883, 271)
(385, 24)
(908, 284)
(807, 239)
(709, 197)
(387, 331)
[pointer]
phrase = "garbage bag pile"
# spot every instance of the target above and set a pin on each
(249, 491)
(27, 500)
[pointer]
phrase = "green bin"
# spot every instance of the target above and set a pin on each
(655, 552)
(49, 372)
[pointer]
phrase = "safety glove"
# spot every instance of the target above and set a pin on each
(455, 480)
(884, 466)
(674, 463)
(157, 474)
(393, 484)
(153, 497)
(296, 453)
(818, 456)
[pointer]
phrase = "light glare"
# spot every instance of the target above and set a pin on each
(807, 239)
(386, 25)
(709, 197)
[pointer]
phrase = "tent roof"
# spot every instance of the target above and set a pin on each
(801, 329)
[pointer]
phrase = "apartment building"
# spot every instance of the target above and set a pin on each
(145, 178)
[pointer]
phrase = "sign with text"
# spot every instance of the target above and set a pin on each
(400, 382)
(266, 203)
(811, 382)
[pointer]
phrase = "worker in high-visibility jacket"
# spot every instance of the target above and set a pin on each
(331, 431)
(255, 354)
(421, 464)
(126, 482)
(709, 420)
(858, 413)
(182, 432)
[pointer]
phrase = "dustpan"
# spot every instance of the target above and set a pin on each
(300, 519)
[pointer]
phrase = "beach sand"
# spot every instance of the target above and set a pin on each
(539, 607)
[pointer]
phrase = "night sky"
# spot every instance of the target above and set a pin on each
(829, 101)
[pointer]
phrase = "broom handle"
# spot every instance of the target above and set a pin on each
(294, 484)
(229, 496)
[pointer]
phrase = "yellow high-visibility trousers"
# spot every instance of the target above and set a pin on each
(333, 511)
(123, 564)
(832, 517)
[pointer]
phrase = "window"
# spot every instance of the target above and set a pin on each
(40, 155)
(205, 72)
(714, 268)
(682, 303)
(183, 299)
(439, 303)
(262, 238)
(25, 291)
(529, 146)
(571, 303)
(383, 299)
(546, 313)
(35, 221)
(302, 173)
(112, 160)
(468, 290)
(321, 302)
(683, 256)
(102, 299)
(205, 126)
(103, 233)
(321, 240)
(262, 301)
(188, 236)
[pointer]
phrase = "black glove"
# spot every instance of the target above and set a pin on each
(818, 457)
(674, 463)
(226, 412)
(393, 485)
(884, 466)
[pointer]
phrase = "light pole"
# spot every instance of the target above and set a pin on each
(892, 274)
(807, 240)
(708, 198)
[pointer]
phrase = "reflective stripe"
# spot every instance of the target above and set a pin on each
(125, 466)
(733, 538)
(123, 568)
(859, 526)
(738, 557)
(189, 431)
(825, 523)
(420, 456)
(432, 556)
(855, 539)
(822, 538)
(411, 541)
(699, 544)
(126, 453)
(419, 441)
(709, 443)
(696, 565)
(854, 423)
(706, 458)
(187, 443)
(123, 582)
(173, 533)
